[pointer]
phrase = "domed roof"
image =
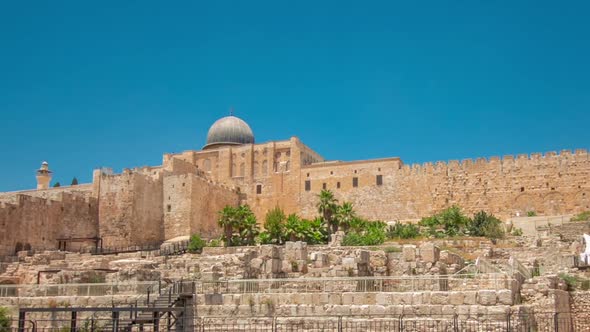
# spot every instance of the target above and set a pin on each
(229, 130)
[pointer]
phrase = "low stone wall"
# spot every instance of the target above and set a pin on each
(482, 297)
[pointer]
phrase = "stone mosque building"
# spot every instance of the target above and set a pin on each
(149, 205)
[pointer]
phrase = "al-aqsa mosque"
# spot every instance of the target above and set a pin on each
(152, 204)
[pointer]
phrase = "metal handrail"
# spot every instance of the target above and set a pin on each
(82, 289)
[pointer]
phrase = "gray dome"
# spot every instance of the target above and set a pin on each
(229, 130)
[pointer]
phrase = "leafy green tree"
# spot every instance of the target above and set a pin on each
(274, 224)
(74, 181)
(294, 228)
(487, 225)
(57, 185)
(327, 208)
(196, 244)
(247, 226)
(345, 214)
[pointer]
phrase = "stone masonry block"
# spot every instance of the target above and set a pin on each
(409, 253)
(429, 252)
(486, 297)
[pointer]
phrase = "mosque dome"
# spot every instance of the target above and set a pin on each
(229, 130)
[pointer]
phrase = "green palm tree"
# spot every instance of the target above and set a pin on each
(293, 228)
(345, 215)
(327, 208)
(227, 220)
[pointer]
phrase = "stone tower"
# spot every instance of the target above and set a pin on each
(43, 176)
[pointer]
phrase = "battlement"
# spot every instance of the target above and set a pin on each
(531, 159)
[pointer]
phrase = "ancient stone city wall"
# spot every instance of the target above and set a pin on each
(37, 223)
(130, 208)
(547, 184)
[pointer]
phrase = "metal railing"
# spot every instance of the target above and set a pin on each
(358, 284)
(559, 322)
(90, 289)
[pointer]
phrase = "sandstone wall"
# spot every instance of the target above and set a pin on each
(192, 203)
(81, 190)
(547, 184)
(130, 208)
(37, 223)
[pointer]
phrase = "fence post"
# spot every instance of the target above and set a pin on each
(508, 321)
(115, 321)
(556, 322)
(274, 324)
(21, 321)
(339, 323)
(455, 323)
(401, 323)
(73, 322)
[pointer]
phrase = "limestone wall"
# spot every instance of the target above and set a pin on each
(547, 184)
(37, 223)
(191, 205)
(130, 208)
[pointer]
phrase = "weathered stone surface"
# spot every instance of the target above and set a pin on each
(486, 297)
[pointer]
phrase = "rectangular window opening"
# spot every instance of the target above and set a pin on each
(337, 185)
(258, 189)
(355, 182)
(379, 180)
(307, 185)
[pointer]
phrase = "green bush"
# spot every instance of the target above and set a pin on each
(486, 225)
(215, 243)
(450, 222)
(517, 231)
(584, 216)
(403, 231)
(531, 214)
(196, 244)
(239, 224)
(4, 320)
(373, 233)
(274, 224)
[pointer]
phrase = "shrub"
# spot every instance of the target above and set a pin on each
(570, 280)
(196, 244)
(450, 222)
(403, 231)
(274, 224)
(531, 214)
(584, 216)
(517, 231)
(4, 320)
(239, 225)
(215, 243)
(373, 233)
(486, 225)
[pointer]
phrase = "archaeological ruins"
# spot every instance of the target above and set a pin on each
(113, 254)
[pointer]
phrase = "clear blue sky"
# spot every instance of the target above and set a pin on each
(85, 85)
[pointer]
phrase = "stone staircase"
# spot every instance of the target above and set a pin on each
(173, 295)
